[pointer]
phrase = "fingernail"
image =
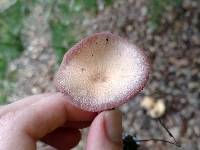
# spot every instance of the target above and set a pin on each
(113, 125)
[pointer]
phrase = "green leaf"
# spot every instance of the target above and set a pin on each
(108, 2)
(90, 4)
(3, 66)
(3, 99)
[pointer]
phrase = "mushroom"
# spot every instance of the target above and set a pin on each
(155, 108)
(102, 72)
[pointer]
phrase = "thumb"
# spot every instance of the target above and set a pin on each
(106, 131)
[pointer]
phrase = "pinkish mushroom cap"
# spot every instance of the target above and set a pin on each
(102, 72)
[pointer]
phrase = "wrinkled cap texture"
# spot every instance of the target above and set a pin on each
(102, 72)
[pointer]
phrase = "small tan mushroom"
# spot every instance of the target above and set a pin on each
(158, 109)
(155, 109)
(147, 103)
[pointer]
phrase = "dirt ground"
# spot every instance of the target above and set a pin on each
(174, 51)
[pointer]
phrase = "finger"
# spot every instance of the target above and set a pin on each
(47, 148)
(22, 103)
(50, 113)
(63, 138)
(77, 124)
(106, 132)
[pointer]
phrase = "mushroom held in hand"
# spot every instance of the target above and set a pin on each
(102, 71)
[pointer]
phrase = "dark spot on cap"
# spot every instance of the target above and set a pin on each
(82, 69)
(107, 39)
(92, 55)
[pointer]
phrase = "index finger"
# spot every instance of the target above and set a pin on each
(49, 113)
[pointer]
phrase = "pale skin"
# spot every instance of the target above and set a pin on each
(51, 118)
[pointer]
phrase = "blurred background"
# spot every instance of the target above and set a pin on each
(34, 35)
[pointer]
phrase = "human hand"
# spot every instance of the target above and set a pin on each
(53, 120)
